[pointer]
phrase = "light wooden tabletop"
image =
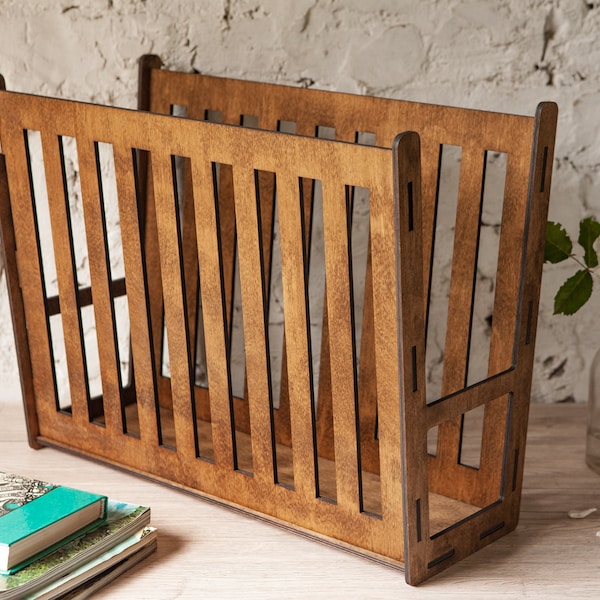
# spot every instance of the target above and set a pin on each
(206, 551)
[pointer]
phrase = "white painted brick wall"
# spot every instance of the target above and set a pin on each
(505, 55)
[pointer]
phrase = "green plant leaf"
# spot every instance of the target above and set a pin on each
(573, 293)
(589, 231)
(558, 243)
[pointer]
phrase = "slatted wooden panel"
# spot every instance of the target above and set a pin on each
(414, 512)
(290, 158)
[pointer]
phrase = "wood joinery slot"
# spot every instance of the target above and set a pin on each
(440, 559)
(491, 530)
(544, 168)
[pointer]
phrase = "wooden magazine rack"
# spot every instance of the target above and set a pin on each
(209, 213)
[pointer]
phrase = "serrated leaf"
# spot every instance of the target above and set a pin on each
(558, 243)
(573, 293)
(589, 231)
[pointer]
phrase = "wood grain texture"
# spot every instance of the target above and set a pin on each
(201, 545)
(343, 461)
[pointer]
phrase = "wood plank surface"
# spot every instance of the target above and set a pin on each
(206, 551)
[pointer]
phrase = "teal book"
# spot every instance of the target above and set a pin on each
(36, 516)
(123, 521)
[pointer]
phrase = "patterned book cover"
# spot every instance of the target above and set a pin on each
(36, 515)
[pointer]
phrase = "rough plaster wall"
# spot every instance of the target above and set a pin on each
(506, 55)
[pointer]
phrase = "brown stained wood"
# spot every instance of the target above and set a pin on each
(341, 342)
(11, 274)
(392, 502)
(253, 293)
(214, 316)
(141, 327)
(95, 229)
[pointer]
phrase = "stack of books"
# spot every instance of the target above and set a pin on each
(58, 542)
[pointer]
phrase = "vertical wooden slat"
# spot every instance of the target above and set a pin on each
(253, 294)
(342, 355)
(95, 228)
(67, 278)
(282, 418)
(409, 227)
(139, 309)
(504, 325)
(150, 65)
(15, 296)
(175, 307)
(30, 277)
(297, 327)
(538, 196)
(214, 311)
(386, 318)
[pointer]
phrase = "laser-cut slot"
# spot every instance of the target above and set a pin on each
(440, 559)
(491, 530)
(515, 474)
(213, 116)
(544, 168)
(441, 266)
(59, 363)
(360, 217)
(47, 264)
(249, 121)
(286, 126)
(79, 252)
(311, 195)
(432, 440)
(109, 203)
(409, 195)
(284, 472)
(529, 323)
(487, 265)
(471, 437)
(179, 110)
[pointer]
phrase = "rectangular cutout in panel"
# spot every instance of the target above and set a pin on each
(179, 110)
(236, 363)
(286, 126)
(441, 267)
(120, 305)
(276, 337)
(92, 362)
(213, 116)
(249, 121)
(79, 249)
(487, 264)
(41, 212)
(446, 513)
(318, 341)
(432, 440)
(39, 192)
(70, 172)
(200, 368)
(359, 242)
(237, 348)
(471, 437)
(365, 361)
(59, 360)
